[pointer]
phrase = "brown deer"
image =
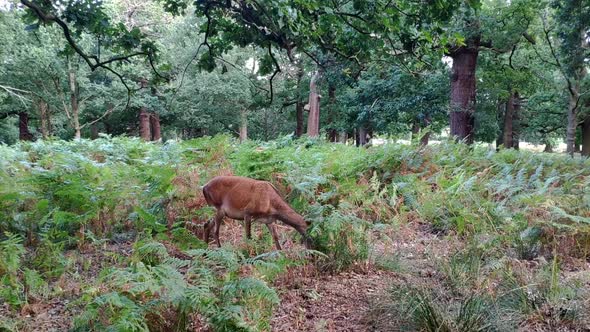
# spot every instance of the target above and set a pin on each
(242, 198)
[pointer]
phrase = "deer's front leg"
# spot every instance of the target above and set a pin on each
(273, 232)
(248, 226)
(218, 219)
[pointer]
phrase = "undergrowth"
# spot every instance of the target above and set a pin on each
(57, 197)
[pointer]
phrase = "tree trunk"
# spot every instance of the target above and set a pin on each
(516, 121)
(299, 108)
(107, 128)
(94, 131)
(299, 104)
(463, 93)
(508, 118)
(342, 137)
(332, 132)
(313, 121)
(243, 125)
(548, 146)
(74, 101)
(361, 136)
(500, 118)
(44, 115)
(572, 122)
(156, 129)
(23, 127)
(586, 137)
(415, 129)
(144, 116)
(144, 124)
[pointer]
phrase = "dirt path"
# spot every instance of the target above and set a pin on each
(330, 302)
(341, 302)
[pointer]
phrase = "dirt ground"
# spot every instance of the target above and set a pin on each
(309, 300)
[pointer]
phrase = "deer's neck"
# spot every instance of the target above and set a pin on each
(292, 218)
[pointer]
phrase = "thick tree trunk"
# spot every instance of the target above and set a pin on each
(463, 94)
(243, 125)
(511, 122)
(572, 123)
(144, 124)
(23, 127)
(501, 110)
(44, 115)
(299, 109)
(361, 136)
(156, 128)
(508, 117)
(516, 122)
(586, 137)
(145, 131)
(107, 128)
(332, 132)
(74, 101)
(313, 121)
(94, 130)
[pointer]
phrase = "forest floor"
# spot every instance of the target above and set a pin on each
(310, 300)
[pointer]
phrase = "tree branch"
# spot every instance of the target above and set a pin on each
(277, 70)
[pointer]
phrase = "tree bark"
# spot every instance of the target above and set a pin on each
(342, 137)
(144, 124)
(74, 101)
(243, 125)
(586, 137)
(508, 119)
(361, 136)
(44, 115)
(23, 127)
(313, 121)
(572, 122)
(463, 93)
(299, 108)
(332, 132)
(155, 127)
(299, 104)
(516, 121)
(94, 131)
(144, 116)
(500, 118)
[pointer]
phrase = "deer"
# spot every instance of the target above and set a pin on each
(242, 198)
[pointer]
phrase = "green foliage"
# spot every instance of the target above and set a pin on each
(343, 237)
(60, 195)
(10, 262)
(160, 296)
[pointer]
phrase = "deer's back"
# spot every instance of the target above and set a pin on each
(236, 193)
